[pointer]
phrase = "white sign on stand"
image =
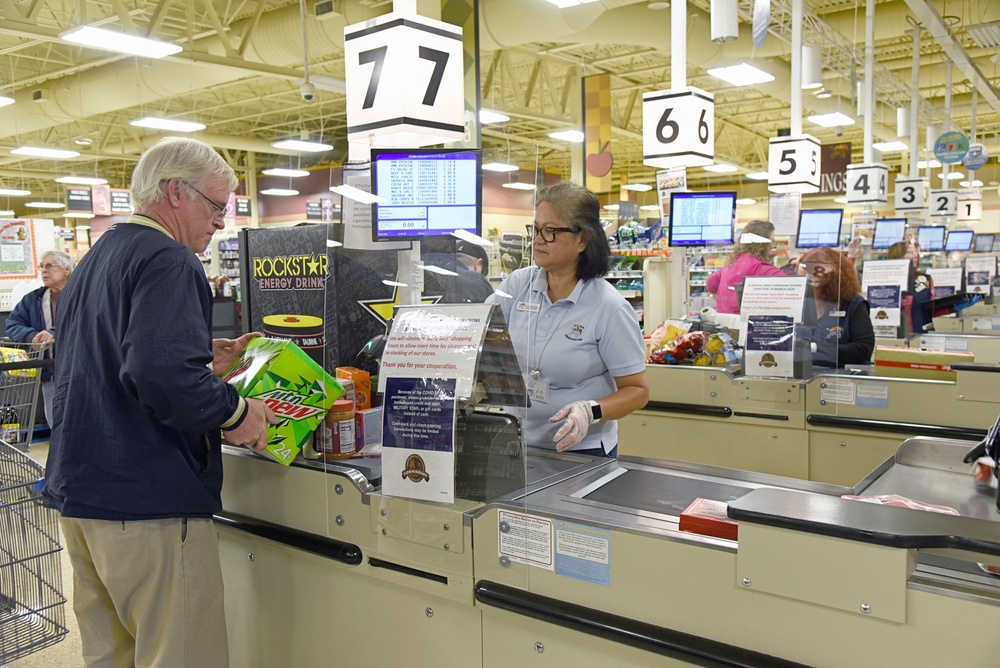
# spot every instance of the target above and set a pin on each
(947, 280)
(911, 194)
(405, 80)
(867, 184)
(793, 164)
(970, 205)
(944, 203)
(979, 273)
(678, 128)
(883, 284)
(770, 308)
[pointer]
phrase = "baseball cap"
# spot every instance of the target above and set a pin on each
(474, 250)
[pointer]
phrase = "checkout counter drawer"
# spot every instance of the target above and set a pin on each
(718, 442)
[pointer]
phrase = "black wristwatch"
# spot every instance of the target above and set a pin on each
(595, 412)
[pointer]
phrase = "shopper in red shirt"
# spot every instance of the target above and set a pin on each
(750, 257)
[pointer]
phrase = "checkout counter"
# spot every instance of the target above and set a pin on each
(586, 565)
(833, 428)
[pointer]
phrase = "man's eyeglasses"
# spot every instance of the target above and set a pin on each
(44, 266)
(220, 209)
(548, 234)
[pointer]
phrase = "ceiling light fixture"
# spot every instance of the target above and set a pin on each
(487, 116)
(82, 180)
(302, 145)
(281, 171)
(280, 192)
(757, 176)
(823, 94)
(570, 3)
(887, 146)
(37, 152)
(517, 185)
(965, 184)
(6, 214)
(922, 164)
(4, 100)
(976, 183)
(11, 192)
(110, 40)
(612, 207)
(831, 120)
(638, 187)
(574, 136)
(46, 205)
(725, 22)
(840, 200)
(171, 124)
(82, 227)
(83, 141)
(746, 201)
(812, 66)
(952, 176)
(77, 214)
(500, 167)
(649, 207)
(720, 168)
(741, 75)
(356, 194)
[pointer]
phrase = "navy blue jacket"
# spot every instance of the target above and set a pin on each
(26, 320)
(137, 406)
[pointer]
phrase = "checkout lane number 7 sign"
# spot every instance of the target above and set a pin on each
(404, 72)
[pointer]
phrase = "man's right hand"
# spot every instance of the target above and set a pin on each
(252, 432)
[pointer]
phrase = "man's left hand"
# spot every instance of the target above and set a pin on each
(225, 352)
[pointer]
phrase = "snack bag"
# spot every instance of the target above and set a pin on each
(17, 355)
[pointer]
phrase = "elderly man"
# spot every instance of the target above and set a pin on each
(33, 320)
(135, 463)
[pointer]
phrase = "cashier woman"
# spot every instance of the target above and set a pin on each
(577, 340)
(835, 317)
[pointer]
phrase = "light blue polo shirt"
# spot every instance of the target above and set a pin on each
(579, 344)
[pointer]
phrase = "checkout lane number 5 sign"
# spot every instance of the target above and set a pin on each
(404, 71)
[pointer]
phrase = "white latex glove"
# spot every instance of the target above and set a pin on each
(577, 422)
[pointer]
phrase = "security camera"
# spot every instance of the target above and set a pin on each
(308, 91)
(839, 130)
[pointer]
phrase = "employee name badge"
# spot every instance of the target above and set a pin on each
(539, 390)
(528, 306)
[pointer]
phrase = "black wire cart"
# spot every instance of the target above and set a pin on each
(32, 609)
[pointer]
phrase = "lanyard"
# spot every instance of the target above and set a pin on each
(536, 370)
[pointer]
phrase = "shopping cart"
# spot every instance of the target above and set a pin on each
(32, 614)
(21, 366)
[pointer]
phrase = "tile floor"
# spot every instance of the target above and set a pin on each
(66, 653)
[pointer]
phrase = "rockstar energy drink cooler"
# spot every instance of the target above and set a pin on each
(292, 384)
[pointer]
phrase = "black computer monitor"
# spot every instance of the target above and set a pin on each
(426, 192)
(931, 237)
(958, 240)
(983, 243)
(888, 231)
(819, 227)
(702, 219)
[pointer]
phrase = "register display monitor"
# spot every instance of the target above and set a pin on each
(702, 219)
(983, 243)
(888, 231)
(425, 192)
(959, 240)
(819, 227)
(931, 237)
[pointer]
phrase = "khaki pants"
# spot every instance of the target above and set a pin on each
(149, 593)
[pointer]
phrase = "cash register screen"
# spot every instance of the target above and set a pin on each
(426, 192)
(887, 232)
(702, 219)
(959, 240)
(819, 227)
(931, 237)
(983, 243)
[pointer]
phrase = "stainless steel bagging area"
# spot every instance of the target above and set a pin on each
(587, 564)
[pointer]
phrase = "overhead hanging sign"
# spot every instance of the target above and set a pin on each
(970, 205)
(944, 203)
(761, 20)
(976, 157)
(867, 184)
(678, 128)
(834, 159)
(951, 147)
(793, 164)
(405, 81)
(911, 194)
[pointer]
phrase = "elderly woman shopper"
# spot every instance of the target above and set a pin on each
(33, 320)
